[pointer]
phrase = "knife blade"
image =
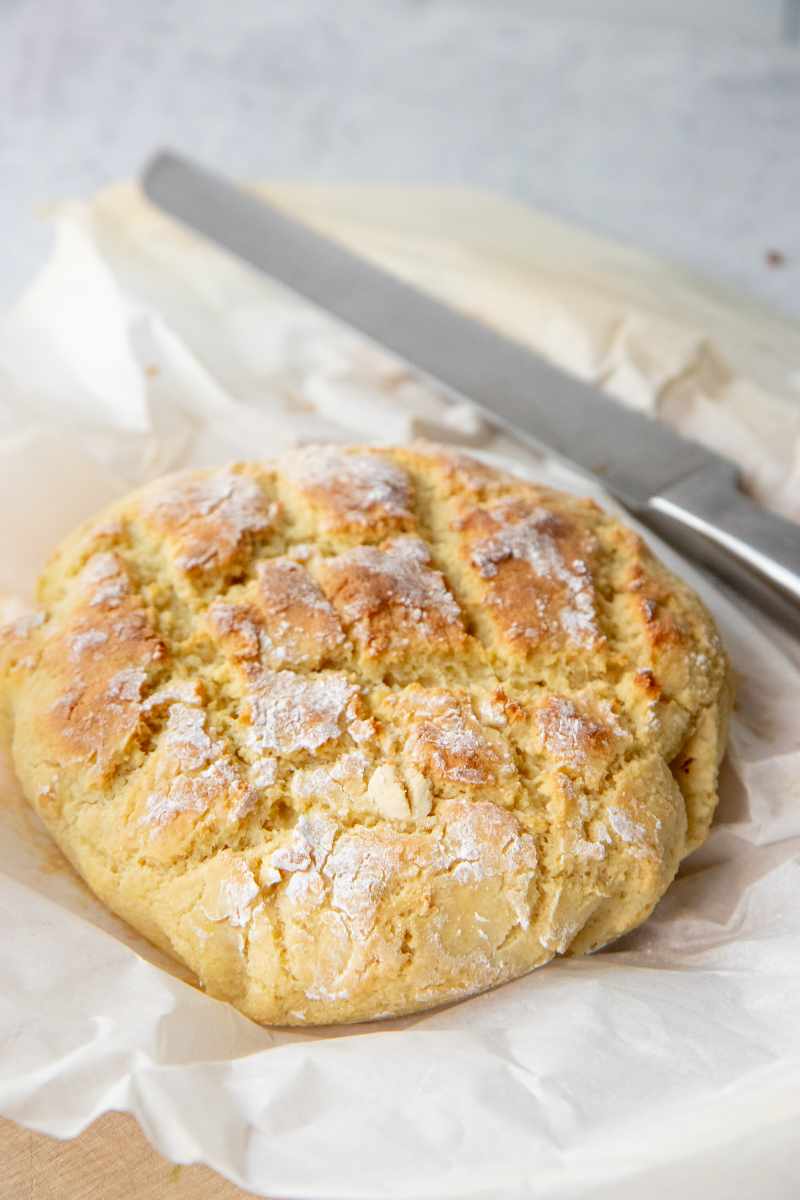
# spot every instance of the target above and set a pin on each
(684, 491)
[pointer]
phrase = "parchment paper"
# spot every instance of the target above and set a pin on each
(670, 1060)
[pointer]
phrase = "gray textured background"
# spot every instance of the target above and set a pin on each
(675, 126)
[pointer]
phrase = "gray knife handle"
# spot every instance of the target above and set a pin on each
(757, 551)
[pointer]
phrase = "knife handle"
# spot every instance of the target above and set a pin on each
(756, 551)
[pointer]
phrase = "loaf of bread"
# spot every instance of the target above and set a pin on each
(361, 731)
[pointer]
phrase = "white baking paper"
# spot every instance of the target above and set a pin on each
(669, 1061)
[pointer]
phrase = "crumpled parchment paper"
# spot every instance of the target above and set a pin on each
(671, 1059)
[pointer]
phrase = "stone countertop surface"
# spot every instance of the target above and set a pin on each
(630, 117)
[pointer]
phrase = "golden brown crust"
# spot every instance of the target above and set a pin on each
(531, 568)
(364, 730)
(207, 519)
(283, 618)
(392, 602)
(352, 494)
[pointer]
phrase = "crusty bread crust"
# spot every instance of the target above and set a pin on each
(361, 731)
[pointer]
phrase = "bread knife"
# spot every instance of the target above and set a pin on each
(684, 492)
